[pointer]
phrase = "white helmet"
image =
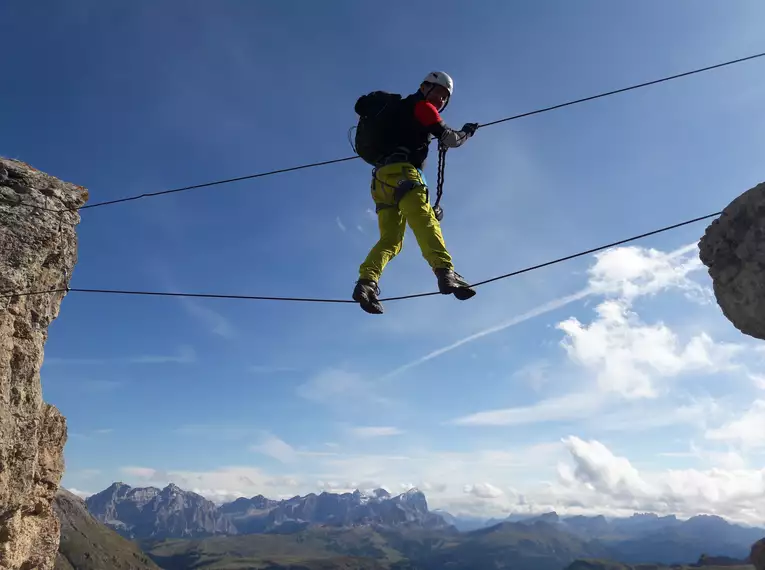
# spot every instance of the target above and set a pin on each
(440, 78)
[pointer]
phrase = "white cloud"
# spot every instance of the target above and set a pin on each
(600, 470)
(728, 460)
(277, 448)
(217, 323)
(632, 271)
(535, 374)
(91, 434)
(185, 355)
(624, 272)
(600, 411)
(375, 431)
(442, 476)
(600, 480)
(139, 472)
(628, 356)
(624, 383)
(567, 407)
(340, 224)
(337, 387)
(79, 493)
(589, 479)
(637, 416)
(758, 380)
(535, 312)
(223, 484)
(427, 486)
(622, 359)
(748, 431)
(483, 490)
(330, 384)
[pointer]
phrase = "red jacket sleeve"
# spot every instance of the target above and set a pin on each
(426, 113)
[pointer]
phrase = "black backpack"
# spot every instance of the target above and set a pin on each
(376, 129)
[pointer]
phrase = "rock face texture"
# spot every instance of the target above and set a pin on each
(148, 512)
(757, 554)
(353, 509)
(152, 513)
(733, 249)
(38, 251)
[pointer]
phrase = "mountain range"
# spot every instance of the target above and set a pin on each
(380, 531)
(149, 512)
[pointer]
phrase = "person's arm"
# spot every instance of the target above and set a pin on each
(427, 114)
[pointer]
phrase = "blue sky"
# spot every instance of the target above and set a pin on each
(612, 372)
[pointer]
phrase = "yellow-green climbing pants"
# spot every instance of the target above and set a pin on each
(394, 210)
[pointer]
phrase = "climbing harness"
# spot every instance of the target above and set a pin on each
(407, 185)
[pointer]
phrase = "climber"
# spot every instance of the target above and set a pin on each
(393, 136)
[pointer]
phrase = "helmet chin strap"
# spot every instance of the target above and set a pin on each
(446, 103)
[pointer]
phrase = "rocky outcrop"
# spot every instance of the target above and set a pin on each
(249, 515)
(733, 249)
(757, 554)
(148, 512)
(86, 544)
(38, 251)
(346, 510)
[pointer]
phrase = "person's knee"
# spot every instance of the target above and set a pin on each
(391, 243)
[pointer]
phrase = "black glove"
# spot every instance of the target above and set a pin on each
(470, 128)
(439, 212)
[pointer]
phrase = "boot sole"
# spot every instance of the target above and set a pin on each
(368, 306)
(464, 294)
(371, 309)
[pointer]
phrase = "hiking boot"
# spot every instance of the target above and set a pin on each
(451, 282)
(365, 294)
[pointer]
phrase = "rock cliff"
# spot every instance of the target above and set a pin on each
(38, 251)
(757, 554)
(733, 249)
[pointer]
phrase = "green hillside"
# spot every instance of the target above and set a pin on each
(86, 544)
(358, 548)
(504, 546)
